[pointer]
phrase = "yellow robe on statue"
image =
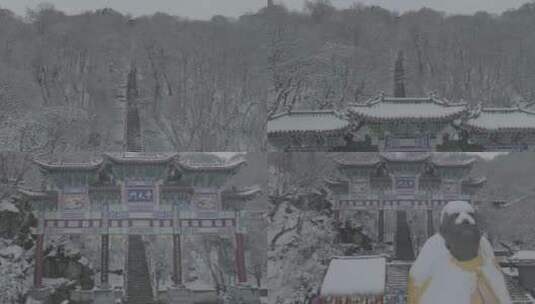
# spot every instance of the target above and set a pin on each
(436, 277)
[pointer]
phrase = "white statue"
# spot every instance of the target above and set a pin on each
(457, 264)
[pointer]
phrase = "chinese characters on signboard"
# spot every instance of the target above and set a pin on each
(405, 184)
(140, 195)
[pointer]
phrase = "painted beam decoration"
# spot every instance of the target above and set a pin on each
(388, 204)
(206, 200)
(150, 225)
(73, 205)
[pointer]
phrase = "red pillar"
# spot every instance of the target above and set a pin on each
(381, 225)
(177, 260)
(38, 271)
(240, 258)
(104, 259)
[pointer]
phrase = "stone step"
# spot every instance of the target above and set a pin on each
(139, 289)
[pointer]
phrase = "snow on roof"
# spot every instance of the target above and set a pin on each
(223, 166)
(8, 206)
(141, 157)
(363, 275)
(406, 156)
(394, 108)
(524, 255)
(302, 121)
(12, 252)
(245, 193)
(452, 160)
(502, 119)
(456, 207)
(357, 159)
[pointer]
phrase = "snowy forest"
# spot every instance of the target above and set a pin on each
(212, 85)
(303, 234)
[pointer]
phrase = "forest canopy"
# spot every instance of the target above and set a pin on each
(211, 85)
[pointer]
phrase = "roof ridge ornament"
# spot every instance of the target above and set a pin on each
(475, 111)
(433, 95)
(379, 97)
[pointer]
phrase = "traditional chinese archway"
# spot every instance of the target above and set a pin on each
(404, 191)
(137, 194)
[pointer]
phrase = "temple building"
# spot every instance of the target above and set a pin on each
(411, 124)
(135, 195)
(502, 129)
(402, 123)
(406, 124)
(308, 130)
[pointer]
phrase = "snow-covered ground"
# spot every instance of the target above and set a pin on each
(299, 258)
(14, 269)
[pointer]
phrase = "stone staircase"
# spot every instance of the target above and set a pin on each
(133, 130)
(139, 289)
(404, 250)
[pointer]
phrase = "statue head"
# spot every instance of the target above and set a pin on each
(460, 229)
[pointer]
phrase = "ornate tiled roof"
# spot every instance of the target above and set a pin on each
(304, 121)
(246, 193)
(406, 156)
(396, 108)
(362, 159)
(186, 161)
(367, 159)
(37, 194)
(141, 157)
(74, 161)
(223, 166)
(474, 181)
(452, 160)
(502, 119)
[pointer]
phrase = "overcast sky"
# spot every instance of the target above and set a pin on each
(204, 9)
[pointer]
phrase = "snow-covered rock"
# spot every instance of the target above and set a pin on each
(524, 255)
(13, 252)
(359, 275)
(5, 205)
